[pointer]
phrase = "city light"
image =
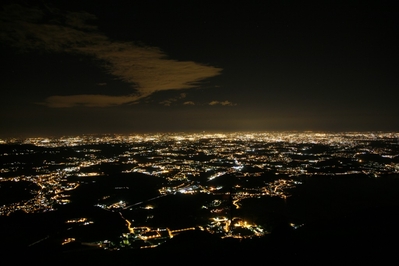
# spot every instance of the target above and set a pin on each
(255, 165)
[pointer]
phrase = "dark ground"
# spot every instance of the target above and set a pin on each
(369, 236)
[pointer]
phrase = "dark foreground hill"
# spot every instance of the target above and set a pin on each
(366, 236)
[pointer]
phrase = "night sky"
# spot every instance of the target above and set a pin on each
(70, 68)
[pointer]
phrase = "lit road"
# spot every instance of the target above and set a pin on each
(141, 202)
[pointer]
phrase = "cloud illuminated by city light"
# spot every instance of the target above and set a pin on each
(224, 103)
(147, 69)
